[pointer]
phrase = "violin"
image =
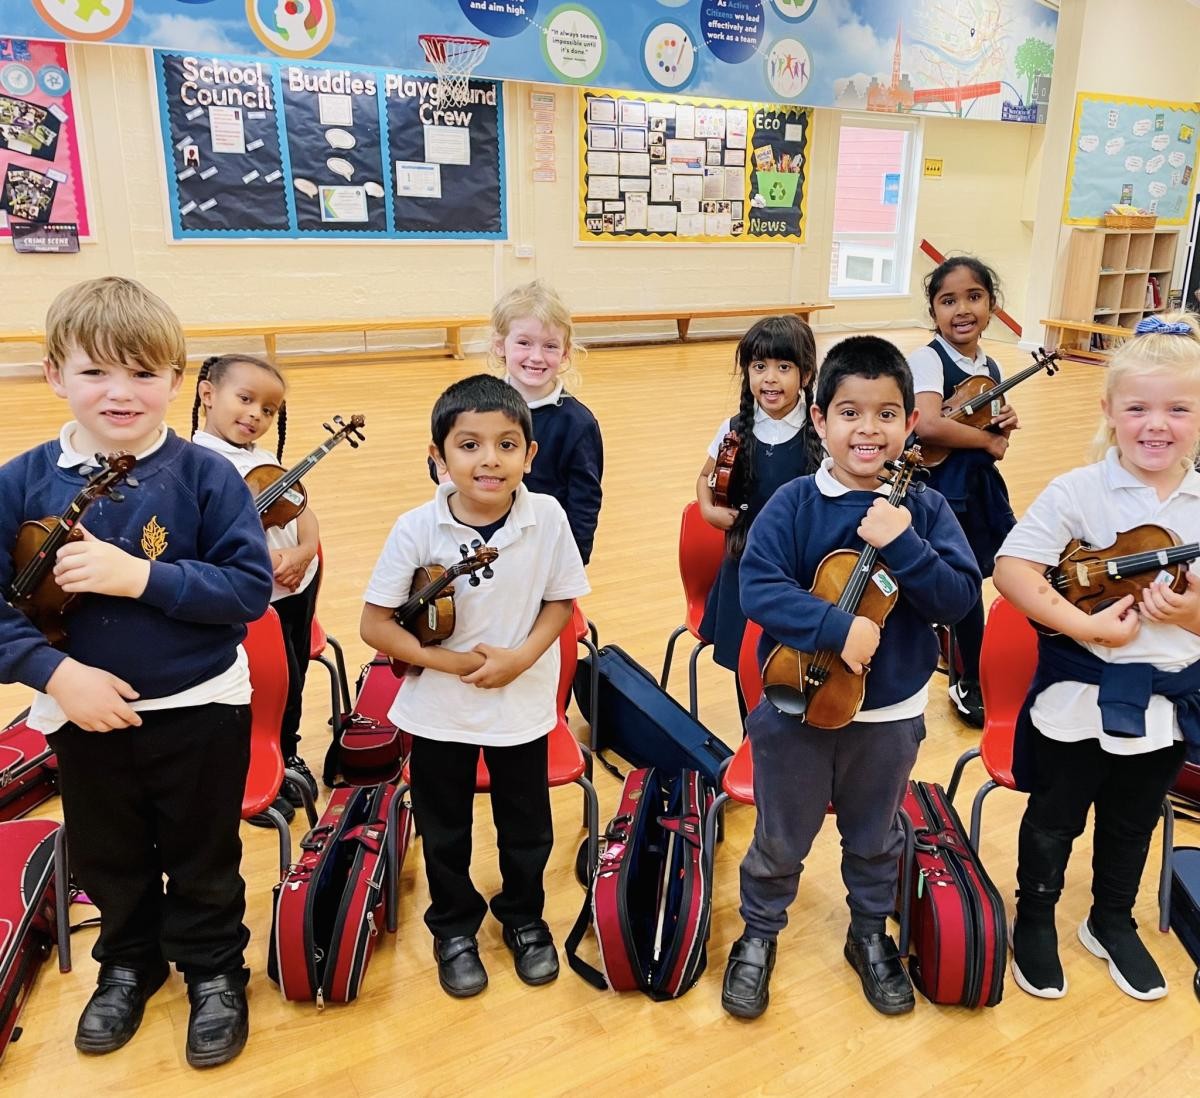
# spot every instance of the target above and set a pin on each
(279, 497)
(820, 687)
(721, 478)
(33, 590)
(1092, 578)
(976, 401)
(429, 611)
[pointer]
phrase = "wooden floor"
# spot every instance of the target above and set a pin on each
(658, 408)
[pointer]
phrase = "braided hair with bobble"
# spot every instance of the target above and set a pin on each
(784, 337)
(214, 368)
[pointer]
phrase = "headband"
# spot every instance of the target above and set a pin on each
(1152, 325)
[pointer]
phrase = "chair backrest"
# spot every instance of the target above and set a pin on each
(701, 549)
(748, 672)
(269, 681)
(1006, 666)
(568, 658)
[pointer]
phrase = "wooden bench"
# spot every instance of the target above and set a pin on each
(1066, 336)
(683, 317)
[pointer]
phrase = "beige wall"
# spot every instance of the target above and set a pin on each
(1115, 48)
(977, 206)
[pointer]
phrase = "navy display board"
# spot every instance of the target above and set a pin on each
(258, 148)
(982, 59)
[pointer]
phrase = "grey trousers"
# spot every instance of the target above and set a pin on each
(799, 771)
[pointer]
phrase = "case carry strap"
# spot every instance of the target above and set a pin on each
(581, 968)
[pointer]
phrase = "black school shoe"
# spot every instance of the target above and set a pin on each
(281, 805)
(460, 971)
(289, 790)
(114, 1011)
(219, 1022)
(746, 990)
(1130, 965)
(534, 954)
(885, 983)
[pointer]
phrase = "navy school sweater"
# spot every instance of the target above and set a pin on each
(931, 561)
(194, 517)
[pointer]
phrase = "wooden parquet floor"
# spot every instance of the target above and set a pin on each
(658, 407)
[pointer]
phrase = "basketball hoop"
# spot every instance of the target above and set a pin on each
(453, 58)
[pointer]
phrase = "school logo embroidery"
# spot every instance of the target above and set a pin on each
(292, 28)
(154, 539)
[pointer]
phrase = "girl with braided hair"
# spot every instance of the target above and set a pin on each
(777, 362)
(243, 397)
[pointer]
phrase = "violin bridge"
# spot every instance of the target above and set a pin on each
(1081, 575)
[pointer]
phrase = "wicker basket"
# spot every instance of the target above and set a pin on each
(1129, 221)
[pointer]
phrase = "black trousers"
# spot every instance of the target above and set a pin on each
(296, 613)
(1127, 791)
(443, 792)
(162, 799)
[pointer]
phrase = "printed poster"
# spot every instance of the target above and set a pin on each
(41, 174)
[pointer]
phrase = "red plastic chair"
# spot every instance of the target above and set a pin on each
(737, 779)
(568, 759)
(701, 550)
(269, 681)
(1007, 663)
(319, 640)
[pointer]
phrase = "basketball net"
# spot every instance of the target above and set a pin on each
(453, 58)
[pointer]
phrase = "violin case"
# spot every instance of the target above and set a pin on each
(650, 897)
(641, 722)
(332, 904)
(1185, 902)
(27, 922)
(28, 770)
(367, 748)
(958, 943)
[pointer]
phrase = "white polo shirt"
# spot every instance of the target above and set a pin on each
(538, 563)
(928, 373)
(244, 459)
(768, 431)
(1095, 503)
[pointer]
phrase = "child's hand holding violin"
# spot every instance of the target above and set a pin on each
(91, 565)
(1112, 627)
(720, 517)
(883, 523)
(861, 643)
(1006, 420)
(1161, 604)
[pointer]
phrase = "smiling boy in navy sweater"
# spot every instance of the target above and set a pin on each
(864, 410)
(146, 704)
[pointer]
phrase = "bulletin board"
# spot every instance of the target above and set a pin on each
(1138, 152)
(41, 173)
(257, 148)
(674, 168)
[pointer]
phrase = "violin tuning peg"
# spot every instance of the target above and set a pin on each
(328, 428)
(487, 572)
(353, 444)
(116, 497)
(474, 580)
(131, 481)
(476, 544)
(463, 552)
(339, 421)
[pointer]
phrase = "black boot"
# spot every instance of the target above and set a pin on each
(1041, 862)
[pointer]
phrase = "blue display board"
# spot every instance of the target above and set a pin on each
(1137, 152)
(983, 59)
(258, 148)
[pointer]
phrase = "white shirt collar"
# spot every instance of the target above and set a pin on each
(796, 418)
(522, 509)
(829, 485)
(70, 458)
(214, 442)
(1119, 477)
(551, 398)
(980, 358)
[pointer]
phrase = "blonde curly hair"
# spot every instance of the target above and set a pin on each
(535, 299)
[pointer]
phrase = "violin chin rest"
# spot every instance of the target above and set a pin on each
(787, 699)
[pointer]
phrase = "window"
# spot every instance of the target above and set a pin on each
(873, 206)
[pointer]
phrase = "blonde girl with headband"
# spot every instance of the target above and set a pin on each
(1106, 722)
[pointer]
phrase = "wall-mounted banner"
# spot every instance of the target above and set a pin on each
(41, 174)
(1132, 152)
(658, 167)
(298, 149)
(982, 59)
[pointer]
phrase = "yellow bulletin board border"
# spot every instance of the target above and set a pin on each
(1073, 192)
(754, 111)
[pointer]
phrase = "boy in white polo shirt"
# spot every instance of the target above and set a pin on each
(492, 684)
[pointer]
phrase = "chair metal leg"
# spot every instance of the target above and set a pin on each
(594, 633)
(977, 813)
(906, 875)
(588, 764)
(1164, 877)
(340, 658)
(62, 899)
(959, 766)
(593, 692)
(693, 692)
(310, 805)
(715, 810)
(593, 823)
(285, 838)
(335, 693)
(670, 655)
